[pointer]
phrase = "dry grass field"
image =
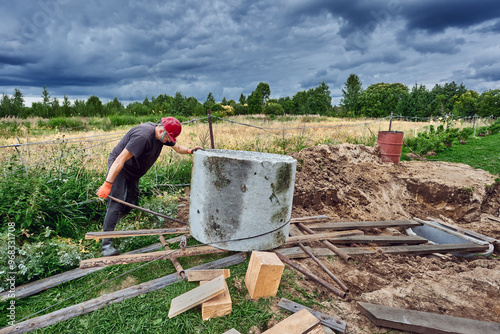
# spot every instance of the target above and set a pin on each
(256, 133)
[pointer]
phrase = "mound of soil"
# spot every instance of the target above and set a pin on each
(349, 183)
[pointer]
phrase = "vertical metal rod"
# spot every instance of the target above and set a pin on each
(210, 128)
(390, 122)
(175, 262)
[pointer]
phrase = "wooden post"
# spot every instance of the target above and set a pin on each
(212, 143)
(263, 274)
(175, 262)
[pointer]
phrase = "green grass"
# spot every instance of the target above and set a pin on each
(149, 312)
(479, 152)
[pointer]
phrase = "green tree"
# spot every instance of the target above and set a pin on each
(93, 106)
(465, 104)
(351, 94)
(488, 103)
(416, 104)
(258, 98)
(5, 106)
(210, 101)
(319, 100)
(243, 99)
(378, 100)
(445, 96)
(179, 106)
(18, 102)
(224, 101)
(273, 109)
(287, 104)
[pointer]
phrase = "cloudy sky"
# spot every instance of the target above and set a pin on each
(134, 49)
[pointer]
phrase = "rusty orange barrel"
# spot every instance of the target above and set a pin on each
(390, 143)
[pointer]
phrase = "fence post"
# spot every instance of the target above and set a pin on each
(390, 122)
(474, 121)
(210, 128)
(21, 157)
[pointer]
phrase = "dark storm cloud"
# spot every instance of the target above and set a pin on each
(436, 16)
(137, 49)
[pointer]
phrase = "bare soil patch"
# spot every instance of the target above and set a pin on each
(349, 183)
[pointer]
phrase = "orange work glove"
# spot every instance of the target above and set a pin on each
(196, 148)
(105, 189)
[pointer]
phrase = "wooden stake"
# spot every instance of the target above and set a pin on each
(134, 233)
(174, 261)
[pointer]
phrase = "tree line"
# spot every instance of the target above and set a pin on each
(377, 100)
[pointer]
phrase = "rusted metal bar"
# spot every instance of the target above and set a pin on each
(313, 277)
(174, 260)
(315, 259)
(212, 143)
(328, 244)
(146, 210)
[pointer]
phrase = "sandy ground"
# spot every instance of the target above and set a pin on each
(349, 183)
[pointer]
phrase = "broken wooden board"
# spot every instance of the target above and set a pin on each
(301, 322)
(325, 319)
(379, 239)
(218, 306)
(424, 322)
(134, 233)
(114, 297)
(342, 226)
(321, 236)
(196, 296)
(126, 258)
(207, 275)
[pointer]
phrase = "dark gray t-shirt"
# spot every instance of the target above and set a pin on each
(141, 142)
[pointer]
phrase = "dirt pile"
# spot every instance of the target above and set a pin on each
(349, 183)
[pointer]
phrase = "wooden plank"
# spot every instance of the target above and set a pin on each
(424, 322)
(379, 239)
(325, 319)
(218, 306)
(197, 296)
(321, 236)
(134, 233)
(303, 219)
(297, 253)
(124, 259)
(342, 226)
(429, 249)
(301, 322)
(207, 275)
(114, 297)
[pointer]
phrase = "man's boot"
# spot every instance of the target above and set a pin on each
(108, 249)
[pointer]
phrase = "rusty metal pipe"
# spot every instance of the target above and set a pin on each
(328, 244)
(313, 277)
(145, 210)
(175, 262)
(315, 259)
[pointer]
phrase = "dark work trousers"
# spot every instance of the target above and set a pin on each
(126, 189)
